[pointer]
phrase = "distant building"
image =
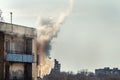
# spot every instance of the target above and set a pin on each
(17, 52)
(107, 72)
(57, 66)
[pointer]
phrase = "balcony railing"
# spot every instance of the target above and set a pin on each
(20, 58)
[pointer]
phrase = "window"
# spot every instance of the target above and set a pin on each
(8, 46)
(29, 46)
(18, 46)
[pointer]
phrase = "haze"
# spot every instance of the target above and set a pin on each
(89, 37)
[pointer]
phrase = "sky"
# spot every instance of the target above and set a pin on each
(89, 37)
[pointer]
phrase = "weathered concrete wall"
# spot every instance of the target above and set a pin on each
(34, 65)
(17, 29)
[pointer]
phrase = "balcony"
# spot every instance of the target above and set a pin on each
(20, 58)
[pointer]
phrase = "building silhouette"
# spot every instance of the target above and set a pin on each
(107, 72)
(57, 66)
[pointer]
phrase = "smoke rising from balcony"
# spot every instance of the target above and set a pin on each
(46, 31)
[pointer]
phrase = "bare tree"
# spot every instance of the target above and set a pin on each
(1, 18)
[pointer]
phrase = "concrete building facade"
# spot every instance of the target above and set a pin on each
(17, 52)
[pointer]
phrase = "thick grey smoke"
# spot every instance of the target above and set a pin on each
(49, 27)
(46, 31)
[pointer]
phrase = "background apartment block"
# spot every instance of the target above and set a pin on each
(107, 72)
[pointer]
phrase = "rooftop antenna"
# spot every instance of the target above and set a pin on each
(11, 17)
(11, 21)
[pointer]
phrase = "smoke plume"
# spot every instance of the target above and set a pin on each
(46, 31)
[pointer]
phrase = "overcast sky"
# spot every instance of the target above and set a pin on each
(90, 36)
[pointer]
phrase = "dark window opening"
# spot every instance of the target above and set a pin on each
(28, 46)
(18, 47)
(8, 46)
